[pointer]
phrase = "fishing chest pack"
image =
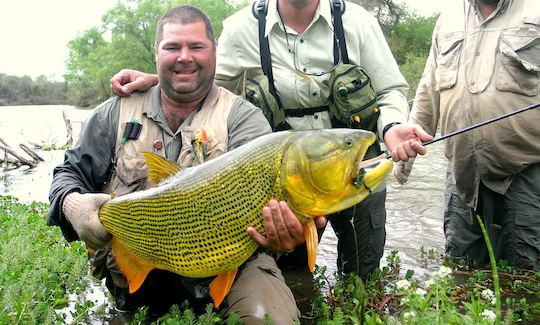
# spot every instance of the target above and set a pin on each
(352, 102)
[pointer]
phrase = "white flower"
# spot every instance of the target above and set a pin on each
(444, 271)
(409, 314)
(404, 301)
(403, 285)
(489, 315)
(421, 292)
(487, 294)
(430, 282)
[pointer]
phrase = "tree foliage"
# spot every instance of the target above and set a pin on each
(25, 91)
(125, 39)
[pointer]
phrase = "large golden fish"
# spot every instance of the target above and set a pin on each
(194, 222)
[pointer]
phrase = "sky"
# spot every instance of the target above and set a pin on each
(34, 33)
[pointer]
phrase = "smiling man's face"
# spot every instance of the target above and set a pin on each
(186, 61)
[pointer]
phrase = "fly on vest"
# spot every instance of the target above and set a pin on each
(352, 102)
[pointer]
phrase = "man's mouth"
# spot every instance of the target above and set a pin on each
(184, 73)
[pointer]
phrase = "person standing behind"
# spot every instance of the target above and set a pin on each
(108, 160)
(303, 46)
(485, 62)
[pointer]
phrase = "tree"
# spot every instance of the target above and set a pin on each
(25, 91)
(388, 13)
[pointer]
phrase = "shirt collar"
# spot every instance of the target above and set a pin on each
(272, 17)
(502, 5)
(154, 111)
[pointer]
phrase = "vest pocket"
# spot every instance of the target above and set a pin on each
(130, 174)
(448, 60)
(520, 60)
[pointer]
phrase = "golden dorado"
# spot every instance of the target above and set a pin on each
(194, 222)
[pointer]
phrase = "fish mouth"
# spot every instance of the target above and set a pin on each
(379, 166)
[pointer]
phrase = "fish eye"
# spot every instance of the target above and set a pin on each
(348, 141)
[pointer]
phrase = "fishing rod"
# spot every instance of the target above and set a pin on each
(472, 127)
(371, 161)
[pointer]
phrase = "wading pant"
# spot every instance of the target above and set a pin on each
(361, 236)
(259, 289)
(512, 221)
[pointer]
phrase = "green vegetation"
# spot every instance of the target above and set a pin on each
(26, 91)
(38, 269)
(450, 296)
(45, 280)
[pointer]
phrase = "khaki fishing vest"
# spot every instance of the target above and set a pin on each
(130, 172)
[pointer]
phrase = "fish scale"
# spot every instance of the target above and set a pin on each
(206, 236)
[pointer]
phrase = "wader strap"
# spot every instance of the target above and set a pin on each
(264, 48)
(300, 112)
(337, 11)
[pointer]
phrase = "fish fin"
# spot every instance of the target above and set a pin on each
(159, 167)
(133, 268)
(221, 285)
(312, 241)
(90, 251)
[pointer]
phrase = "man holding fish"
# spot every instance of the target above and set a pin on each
(170, 119)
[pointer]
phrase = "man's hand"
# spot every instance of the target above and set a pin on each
(402, 170)
(283, 230)
(125, 82)
(405, 140)
(81, 210)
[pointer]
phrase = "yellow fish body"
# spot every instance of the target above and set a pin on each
(194, 223)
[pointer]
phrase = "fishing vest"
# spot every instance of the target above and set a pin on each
(353, 100)
(130, 172)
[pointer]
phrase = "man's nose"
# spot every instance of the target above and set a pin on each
(184, 55)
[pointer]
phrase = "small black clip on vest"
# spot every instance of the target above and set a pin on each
(132, 131)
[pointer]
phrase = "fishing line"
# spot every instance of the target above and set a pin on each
(356, 248)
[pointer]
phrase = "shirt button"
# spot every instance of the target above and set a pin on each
(175, 137)
(316, 117)
(304, 69)
(301, 40)
(314, 94)
(477, 53)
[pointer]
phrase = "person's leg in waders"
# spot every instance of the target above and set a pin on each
(258, 290)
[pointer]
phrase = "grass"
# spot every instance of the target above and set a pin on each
(45, 280)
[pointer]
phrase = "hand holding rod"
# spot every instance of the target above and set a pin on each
(472, 127)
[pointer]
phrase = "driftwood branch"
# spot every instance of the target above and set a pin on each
(8, 150)
(69, 129)
(31, 152)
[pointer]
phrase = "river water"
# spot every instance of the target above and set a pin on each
(414, 210)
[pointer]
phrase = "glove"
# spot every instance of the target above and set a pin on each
(81, 210)
(402, 170)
